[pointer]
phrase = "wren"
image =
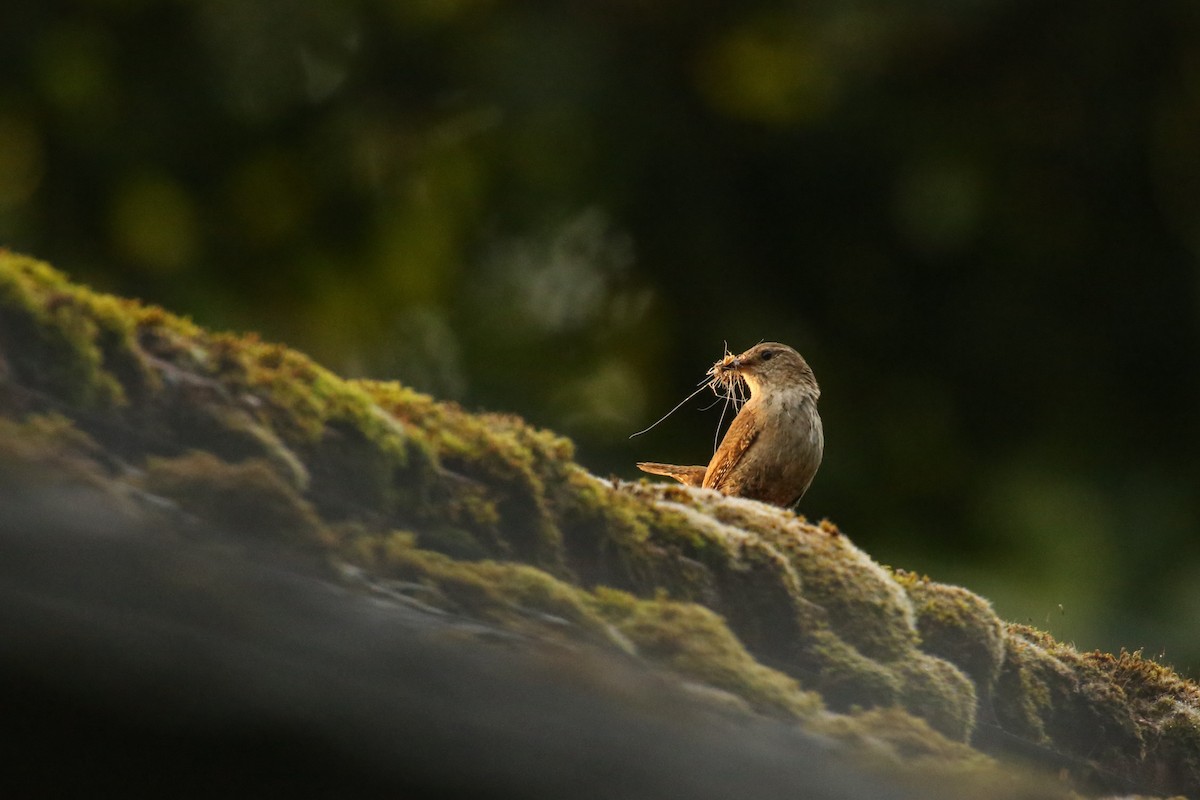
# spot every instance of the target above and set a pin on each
(774, 446)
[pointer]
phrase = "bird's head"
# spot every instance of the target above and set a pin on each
(769, 366)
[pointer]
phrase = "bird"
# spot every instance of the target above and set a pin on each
(774, 445)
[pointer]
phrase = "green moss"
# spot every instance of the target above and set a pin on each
(689, 639)
(50, 334)
(750, 582)
(804, 598)
(512, 460)
(846, 678)
(1028, 686)
(501, 525)
(939, 693)
(247, 498)
(514, 595)
(1115, 719)
(958, 626)
(452, 541)
(894, 734)
(694, 642)
(605, 534)
(48, 449)
(1173, 755)
(44, 458)
(865, 607)
(862, 604)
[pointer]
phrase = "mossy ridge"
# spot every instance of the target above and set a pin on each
(248, 498)
(242, 399)
(47, 449)
(695, 642)
(956, 625)
(806, 601)
(687, 638)
(234, 396)
(1123, 720)
(864, 605)
(60, 329)
(493, 471)
(328, 439)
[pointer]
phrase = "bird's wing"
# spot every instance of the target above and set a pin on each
(688, 476)
(738, 440)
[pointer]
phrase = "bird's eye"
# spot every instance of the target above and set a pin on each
(766, 354)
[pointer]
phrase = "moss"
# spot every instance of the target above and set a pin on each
(44, 458)
(1115, 721)
(1138, 717)
(515, 595)
(606, 535)
(862, 603)
(48, 448)
(51, 340)
(846, 678)
(453, 542)
(694, 642)
(509, 458)
(899, 736)
(246, 498)
(200, 417)
(501, 525)
(939, 693)
(1173, 755)
(958, 626)
(689, 639)
(804, 598)
(1029, 685)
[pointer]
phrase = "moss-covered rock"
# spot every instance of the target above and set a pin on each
(248, 498)
(485, 517)
(958, 626)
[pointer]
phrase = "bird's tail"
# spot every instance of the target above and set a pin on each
(688, 476)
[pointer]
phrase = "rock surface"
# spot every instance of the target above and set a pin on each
(218, 552)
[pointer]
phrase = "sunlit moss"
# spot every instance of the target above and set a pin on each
(958, 626)
(938, 692)
(144, 409)
(58, 332)
(696, 643)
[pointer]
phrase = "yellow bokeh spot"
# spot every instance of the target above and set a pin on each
(153, 223)
(21, 162)
(271, 198)
(73, 65)
(765, 75)
(434, 12)
(419, 243)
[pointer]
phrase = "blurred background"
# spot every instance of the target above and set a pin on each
(978, 220)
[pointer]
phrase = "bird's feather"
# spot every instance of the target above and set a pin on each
(688, 476)
(738, 440)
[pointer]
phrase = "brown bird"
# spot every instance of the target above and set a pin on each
(773, 447)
